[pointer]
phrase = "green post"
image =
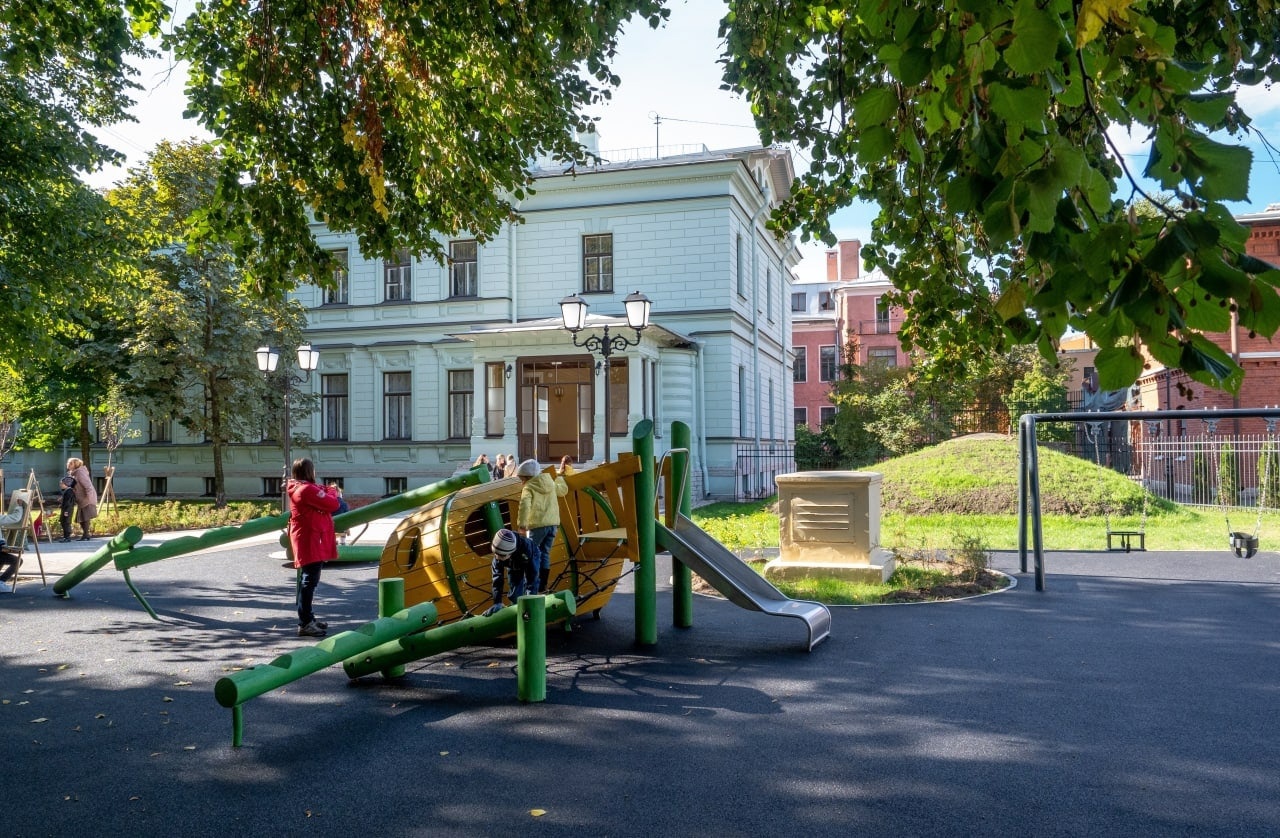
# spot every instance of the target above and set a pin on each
(559, 606)
(531, 648)
(680, 498)
(391, 600)
(646, 583)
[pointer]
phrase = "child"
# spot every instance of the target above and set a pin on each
(539, 513)
(66, 503)
(514, 555)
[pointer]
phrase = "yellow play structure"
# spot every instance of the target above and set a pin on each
(443, 550)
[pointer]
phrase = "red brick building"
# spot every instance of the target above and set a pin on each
(827, 318)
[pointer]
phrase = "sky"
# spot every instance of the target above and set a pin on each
(671, 74)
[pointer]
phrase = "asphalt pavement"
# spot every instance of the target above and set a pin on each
(1137, 695)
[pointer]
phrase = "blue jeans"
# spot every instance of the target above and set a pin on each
(542, 538)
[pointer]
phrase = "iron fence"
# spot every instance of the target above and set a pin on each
(1207, 469)
(758, 469)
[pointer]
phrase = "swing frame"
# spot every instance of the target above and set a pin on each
(1127, 538)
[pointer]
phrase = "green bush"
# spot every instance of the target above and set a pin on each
(166, 516)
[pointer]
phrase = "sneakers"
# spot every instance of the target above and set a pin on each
(11, 571)
(311, 629)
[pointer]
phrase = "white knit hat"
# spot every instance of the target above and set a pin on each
(504, 543)
(529, 468)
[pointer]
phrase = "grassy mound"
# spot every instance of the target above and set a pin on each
(979, 475)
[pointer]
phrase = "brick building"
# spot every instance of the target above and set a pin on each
(846, 311)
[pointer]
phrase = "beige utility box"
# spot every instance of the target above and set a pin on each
(830, 525)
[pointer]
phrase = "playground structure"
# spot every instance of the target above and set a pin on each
(434, 571)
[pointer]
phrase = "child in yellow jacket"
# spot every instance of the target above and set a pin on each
(539, 514)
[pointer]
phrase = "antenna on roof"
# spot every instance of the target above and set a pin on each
(657, 120)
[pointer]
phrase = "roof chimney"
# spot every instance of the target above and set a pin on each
(850, 259)
(833, 265)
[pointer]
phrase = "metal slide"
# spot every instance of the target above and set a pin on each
(734, 578)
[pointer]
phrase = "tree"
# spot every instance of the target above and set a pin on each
(984, 133)
(1042, 388)
(400, 122)
(63, 72)
(193, 357)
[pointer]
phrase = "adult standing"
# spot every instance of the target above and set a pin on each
(86, 495)
(311, 538)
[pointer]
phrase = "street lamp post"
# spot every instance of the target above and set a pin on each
(268, 361)
(573, 311)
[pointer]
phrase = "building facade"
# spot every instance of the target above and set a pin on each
(844, 313)
(423, 367)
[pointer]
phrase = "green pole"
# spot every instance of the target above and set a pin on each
(391, 600)
(359, 553)
(646, 583)
(680, 499)
(124, 540)
(559, 606)
(239, 687)
(531, 648)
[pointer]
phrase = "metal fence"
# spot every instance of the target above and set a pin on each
(758, 469)
(1228, 470)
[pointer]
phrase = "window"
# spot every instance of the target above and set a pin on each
(799, 301)
(210, 487)
(157, 486)
(333, 481)
(597, 262)
(334, 407)
(337, 293)
(800, 373)
(826, 415)
(802, 416)
(271, 487)
(461, 395)
(495, 399)
(882, 317)
(882, 356)
(828, 367)
(768, 294)
(619, 396)
(159, 430)
(396, 398)
(825, 303)
(395, 486)
(464, 268)
(741, 266)
(397, 275)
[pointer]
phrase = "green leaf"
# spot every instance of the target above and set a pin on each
(1019, 105)
(1208, 108)
(1118, 367)
(875, 145)
(1222, 171)
(875, 106)
(1036, 34)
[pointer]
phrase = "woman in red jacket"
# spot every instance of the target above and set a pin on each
(311, 538)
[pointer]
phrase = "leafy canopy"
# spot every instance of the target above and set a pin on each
(980, 128)
(398, 121)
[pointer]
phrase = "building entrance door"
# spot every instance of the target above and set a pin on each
(556, 417)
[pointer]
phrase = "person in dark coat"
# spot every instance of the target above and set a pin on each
(66, 503)
(311, 538)
(513, 560)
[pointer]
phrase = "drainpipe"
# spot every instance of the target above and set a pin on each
(755, 312)
(700, 405)
(513, 263)
(784, 310)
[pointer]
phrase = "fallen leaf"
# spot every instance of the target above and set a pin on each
(182, 683)
(537, 813)
(444, 753)
(39, 721)
(188, 747)
(166, 698)
(75, 729)
(157, 753)
(135, 797)
(492, 664)
(101, 716)
(64, 666)
(27, 692)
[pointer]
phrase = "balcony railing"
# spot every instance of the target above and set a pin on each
(880, 327)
